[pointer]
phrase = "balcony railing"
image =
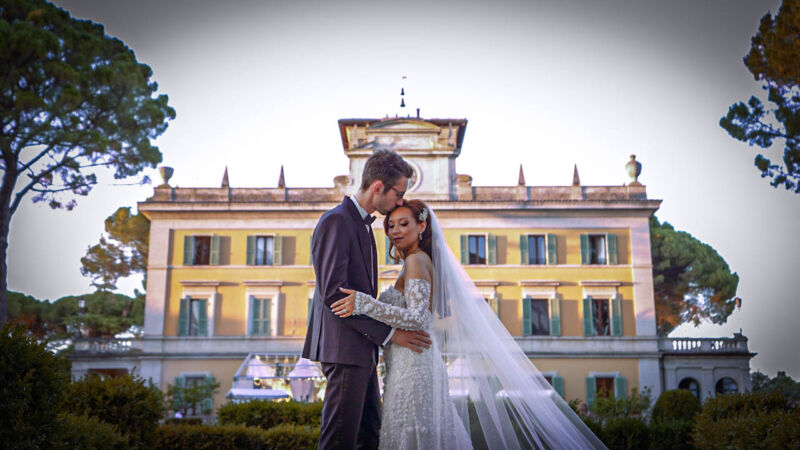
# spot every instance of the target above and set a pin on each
(107, 345)
(736, 344)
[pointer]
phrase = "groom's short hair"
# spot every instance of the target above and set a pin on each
(386, 166)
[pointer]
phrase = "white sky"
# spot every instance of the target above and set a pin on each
(546, 84)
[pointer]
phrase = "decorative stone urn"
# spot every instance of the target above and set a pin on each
(166, 174)
(634, 169)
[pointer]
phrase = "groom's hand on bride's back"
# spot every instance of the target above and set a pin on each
(415, 340)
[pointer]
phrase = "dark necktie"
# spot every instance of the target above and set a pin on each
(372, 251)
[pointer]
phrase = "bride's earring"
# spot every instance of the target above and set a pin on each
(420, 236)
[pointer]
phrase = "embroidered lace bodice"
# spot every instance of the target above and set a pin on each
(412, 419)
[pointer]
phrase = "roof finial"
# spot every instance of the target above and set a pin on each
(225, 182)
(402, 94)
(281, 179)
(576, 180)
(521, 181)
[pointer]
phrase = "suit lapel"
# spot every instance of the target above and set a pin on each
(363, 238)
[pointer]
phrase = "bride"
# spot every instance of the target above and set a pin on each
(491, 395)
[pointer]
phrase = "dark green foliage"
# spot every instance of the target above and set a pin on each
(184, 421)
(127, 402)
(182, 398)
(749, 420)
(122, 251)
(610, 408)
(667, 434)
(79, 432)
(774, 59)
(625, 433)
(207, 437)
(31, 383)
(677, 404)
(267, 414)
(73, 101)
(781, 383)
(692, 282)
(291, 436)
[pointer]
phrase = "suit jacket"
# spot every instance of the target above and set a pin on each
(342, 253)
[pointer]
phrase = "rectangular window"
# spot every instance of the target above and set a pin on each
(265, 246)
(540, 319)
(600, 317)
(597, 249)
(195, 315)
(549, 379)
(477, 249)
(260, 316)
(537, 249)
(604, 387)
(194, 381)
(202, 251)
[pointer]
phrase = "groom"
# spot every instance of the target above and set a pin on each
(343, 248)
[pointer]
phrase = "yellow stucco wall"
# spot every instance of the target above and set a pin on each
(574, 371)
(221, 369)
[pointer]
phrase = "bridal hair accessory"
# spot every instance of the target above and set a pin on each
(423, 216)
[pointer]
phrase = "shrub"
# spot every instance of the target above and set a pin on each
(605, 409)
(266, 414)
(31, 386)
(750, 420)
(290, 436)
(670, 434)
(127, 402)
(202, 437)
(678, 404)
(625, 433)
(87, 432)
(184, 421)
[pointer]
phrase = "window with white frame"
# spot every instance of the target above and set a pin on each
(264, 303)
(605, 385)
(260, 316)
(537, 249)
(201, 250)
(193, 317)
(599, 248)
(264, 250)
(476, 246)
(602, 311)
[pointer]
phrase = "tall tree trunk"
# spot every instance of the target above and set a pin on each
(6, 193)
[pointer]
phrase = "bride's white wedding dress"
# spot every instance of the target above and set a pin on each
(412, 416)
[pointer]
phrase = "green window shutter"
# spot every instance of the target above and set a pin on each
(492, 244)
(308, 311)
(188, 250)
(202, 317)
(177, 399)
(555, 316)
(266, 316)
(523, 249)
(616, 316)
(214, 255)
(254, 312)
(464, 249)
(207, 405)
(620, 387)
(558, 385)
(591, 391)
(251, 250)
(386, 258)
(311, 250)
(611, 241)
(277, 250)
(585, 249)
(526, 317)
(588, 317)
(183, 317)
(552, 249)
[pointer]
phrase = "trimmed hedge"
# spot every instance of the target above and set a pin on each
(80, 432)
(750, 420)
(267, 414)
(625, 433)
(671, 435)
(677, 404)
(184, 421)
(234, 437)
(127, 402)
(31, 387)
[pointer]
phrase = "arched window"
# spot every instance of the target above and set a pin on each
(691, 385)
(727, 386)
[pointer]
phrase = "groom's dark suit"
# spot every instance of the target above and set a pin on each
(344, 256)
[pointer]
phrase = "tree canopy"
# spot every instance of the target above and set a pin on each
(121, 252)
(692, 282)
(774, 59)
(72, 101)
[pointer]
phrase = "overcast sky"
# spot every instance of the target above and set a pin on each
(545, 84)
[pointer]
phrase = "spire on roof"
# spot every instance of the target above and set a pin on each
(281, 179)
(225, 182)
(521, 181)
(576, 180)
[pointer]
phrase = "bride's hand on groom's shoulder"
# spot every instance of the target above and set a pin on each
(417, 341)
(346, 306)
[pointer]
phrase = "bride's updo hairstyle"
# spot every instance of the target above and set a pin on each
(417, 207)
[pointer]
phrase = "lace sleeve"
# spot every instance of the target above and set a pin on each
(412, 317)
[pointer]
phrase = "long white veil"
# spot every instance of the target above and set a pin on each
(500, 396)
